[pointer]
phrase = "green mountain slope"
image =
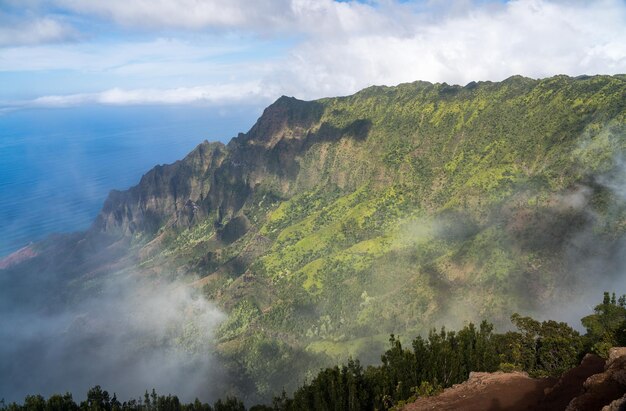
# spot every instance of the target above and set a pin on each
(333, 223)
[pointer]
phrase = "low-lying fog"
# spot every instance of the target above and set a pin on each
(128, 337)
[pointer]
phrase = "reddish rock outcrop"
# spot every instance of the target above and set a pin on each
(602, 389)
(595, 385)
(17, 257)
(488, 392)
(571, 384)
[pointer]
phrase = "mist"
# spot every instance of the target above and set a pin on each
(574, 232)
(597, 263)
(63, 328)
(594, 253)
(128, 335)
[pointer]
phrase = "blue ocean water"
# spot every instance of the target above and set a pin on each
(58, 165)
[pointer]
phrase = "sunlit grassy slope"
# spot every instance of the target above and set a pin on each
(400, 208)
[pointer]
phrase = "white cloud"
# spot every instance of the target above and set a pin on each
(219, 94)
(260, 16)
(530, 37)
(336, 48)
(189, 14)
(112, 56)
(36, 31)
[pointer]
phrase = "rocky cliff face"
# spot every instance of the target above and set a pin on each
(595, 385)
(166, 195)
(605, 390)
(219, 180)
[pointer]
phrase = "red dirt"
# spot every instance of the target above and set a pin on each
(488, 392)
(571, 383)
(588, 387)
(601, 389)
(17, 257)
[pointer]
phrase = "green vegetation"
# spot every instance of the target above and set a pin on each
(606, 328)
(440, 360)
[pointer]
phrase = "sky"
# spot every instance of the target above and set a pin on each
(68, 53)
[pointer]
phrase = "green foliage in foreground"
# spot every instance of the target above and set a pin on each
(606, 327)
(440, 360)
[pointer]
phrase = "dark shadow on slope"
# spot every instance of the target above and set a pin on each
(249, 162)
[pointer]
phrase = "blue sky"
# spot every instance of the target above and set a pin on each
(59, 53)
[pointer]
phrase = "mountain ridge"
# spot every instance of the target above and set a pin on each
(335, 222)
(295, 116)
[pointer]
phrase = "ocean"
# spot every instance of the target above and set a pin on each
(58, 165)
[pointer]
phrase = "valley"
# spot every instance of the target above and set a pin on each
(334, 223)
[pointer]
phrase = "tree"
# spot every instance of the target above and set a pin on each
(230, 404)
(61, 403)
(606, 328)
(198, 406)
(115, 404)
(544, 348)
(525, 350)
(34, 403)
(97, 400)
(558, 348)
(398, 369)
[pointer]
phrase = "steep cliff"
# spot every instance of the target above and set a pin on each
(165, 195)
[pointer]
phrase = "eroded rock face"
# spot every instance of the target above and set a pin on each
(595, 385)
(219, 179)
(167, 194)
(570, 384)
(603, 389)
(614, 354)
(488, 391)
(616, 405)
